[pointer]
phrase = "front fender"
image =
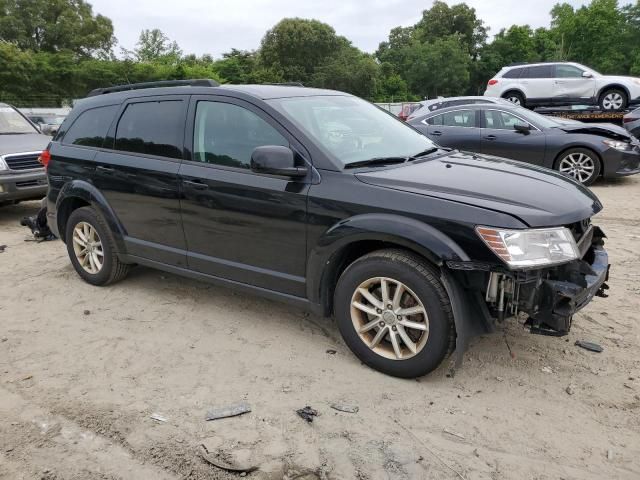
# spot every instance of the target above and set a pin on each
(85, 191)
(406, 232)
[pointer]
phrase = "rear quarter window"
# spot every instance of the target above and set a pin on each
(91, 127)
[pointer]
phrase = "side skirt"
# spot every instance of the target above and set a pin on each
(223, 282)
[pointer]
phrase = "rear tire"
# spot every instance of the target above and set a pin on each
(406, 334)
(613, 99)
(91, 248)
(516, 98)
(580, 164)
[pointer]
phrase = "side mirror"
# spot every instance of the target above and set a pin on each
(276, 160)
(522, 128)
(587, 74)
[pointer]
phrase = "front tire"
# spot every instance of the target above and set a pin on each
(613, 99)
(91, 248)
(394, 313)
(581, 164)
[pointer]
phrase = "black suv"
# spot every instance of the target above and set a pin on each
(323, 200)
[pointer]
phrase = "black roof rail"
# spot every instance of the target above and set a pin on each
(200, 82)
(516, 64)
(286, 84)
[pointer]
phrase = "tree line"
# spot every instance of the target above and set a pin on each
(52, 51)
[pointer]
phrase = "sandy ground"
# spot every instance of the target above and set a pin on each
(82, 369)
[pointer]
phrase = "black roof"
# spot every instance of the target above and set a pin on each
(115, 95)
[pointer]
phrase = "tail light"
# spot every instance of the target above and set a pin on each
(493, 81)
(45, 158)
(629, 119)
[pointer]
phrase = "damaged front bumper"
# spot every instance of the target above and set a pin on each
(483, 295)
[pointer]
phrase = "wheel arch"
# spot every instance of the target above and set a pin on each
(613, 86)
(357, 236)
(506, 93)
(582, 146)
(79, 193)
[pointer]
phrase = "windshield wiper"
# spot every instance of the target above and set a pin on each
(424, 153)
(376, 161)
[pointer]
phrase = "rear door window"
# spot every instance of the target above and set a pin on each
(538, 71)
(152, 128)
(513, 73)
(91, 127)
(457, 118)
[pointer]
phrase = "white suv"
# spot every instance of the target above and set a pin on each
(565, 83)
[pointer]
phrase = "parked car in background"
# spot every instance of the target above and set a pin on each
(22, 177)
(563, 83)
(427, 106)
(321, 199)
(583, 151)
(407, 109)
(631, 122)
(48, 124)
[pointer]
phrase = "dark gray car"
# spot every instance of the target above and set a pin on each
(22, 177)
(583, 151)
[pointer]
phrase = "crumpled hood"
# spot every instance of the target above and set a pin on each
(28, 142)
(608, 130)
(537, 196)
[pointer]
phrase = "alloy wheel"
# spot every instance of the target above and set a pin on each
(612, 101)
(389, 318)
(578, 165)
(87, 247)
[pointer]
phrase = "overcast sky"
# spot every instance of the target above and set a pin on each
(205, 26)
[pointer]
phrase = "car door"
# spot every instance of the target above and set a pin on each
(239, 224)
(137, 172)
(537, 84)
(570, 86)
(454, 129)
(500, 138)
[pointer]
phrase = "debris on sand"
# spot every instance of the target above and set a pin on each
(2, 248)
(453, 434)
(331, 351)
(158, 418)
(570, 390)
(307, 413)
(341, 407)
(228, 411)
(546, 370)
(230, 461)
(592, 347)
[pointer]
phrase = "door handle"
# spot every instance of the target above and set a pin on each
(196, 184)
(437, 133)
(104, 169)
(490, 137)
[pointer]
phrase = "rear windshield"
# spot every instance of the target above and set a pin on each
(11, 122)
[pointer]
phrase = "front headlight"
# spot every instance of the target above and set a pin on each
(3, 164)
(618, 145)
(531, 248)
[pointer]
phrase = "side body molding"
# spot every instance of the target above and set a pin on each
(326, 255)
(80, 189)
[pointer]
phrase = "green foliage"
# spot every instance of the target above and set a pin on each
(55, 26)
(52, 51)
(296, 47)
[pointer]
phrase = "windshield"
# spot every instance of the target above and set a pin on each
(12, 122)
(350, 129)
